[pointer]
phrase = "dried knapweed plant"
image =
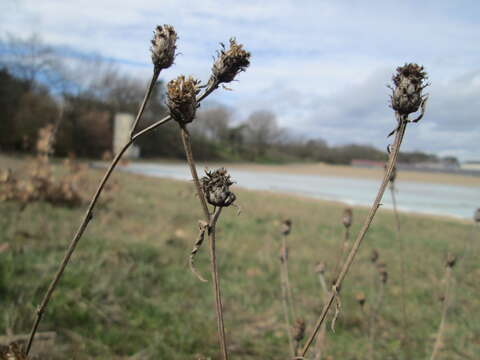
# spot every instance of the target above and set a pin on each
(347, 220)
(450, 263)
(163, 54)
(288, 303)
(382, 276)
(182, 103)
(407, 97)
(399, 240)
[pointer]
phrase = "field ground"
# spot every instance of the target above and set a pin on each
(128, 293)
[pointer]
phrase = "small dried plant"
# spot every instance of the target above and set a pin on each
(288, 304)
(347, 220)
(407, 97)
(382, 278)
(182, 102)
(447, 298)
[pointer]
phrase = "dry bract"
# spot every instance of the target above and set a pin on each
(347, 218)
(230, 62)
(163, 46)
(451, 260)
(216, 187)
(286, 227)
(299, 330)
(182, 98)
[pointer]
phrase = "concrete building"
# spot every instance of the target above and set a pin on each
(122, 125)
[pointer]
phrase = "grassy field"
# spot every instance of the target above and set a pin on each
(128, 293)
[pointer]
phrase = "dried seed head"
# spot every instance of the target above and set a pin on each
(216, 187)
(320, 268)
(347, 217)
(12, 352)
(230, 62)
(374, 256)
(451, 260)
(409, 83)
(286, 227)
(182, 98)
(163, 47)
(382, 271)
(360, 297)
(299, 330)
(476, 216)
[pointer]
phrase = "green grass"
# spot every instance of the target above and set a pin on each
(128, 290)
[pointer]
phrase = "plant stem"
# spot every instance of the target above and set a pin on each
(216, 284)
(212, 220)
(287, 278)
(356, 245)
(286, 312)
(193, 170)
(373, 320)
(400, 241)
(446, 303)
(320, 345)
(151, 85)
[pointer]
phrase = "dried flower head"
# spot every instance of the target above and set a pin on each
(451, 260)
(12, 352)
(320, 268)
(286, 227)
(182, 98)
(360, 297)
(409, 83)
(347, 218)
(374, 256)
(476, 216)
(299, 330)
(163, 47)
(382, 271)
(216, 187)
(230, 62)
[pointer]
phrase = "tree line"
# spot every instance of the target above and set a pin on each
(39, 83)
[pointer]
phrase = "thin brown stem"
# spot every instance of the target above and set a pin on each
(358, 241)
(287, 278)
(216, 285)
(286, 312)
(320, 345)
(374, 320)
(151, 85)
(446, 304)
(400, 241)
(191, 163)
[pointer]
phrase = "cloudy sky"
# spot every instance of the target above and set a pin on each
(320, 66)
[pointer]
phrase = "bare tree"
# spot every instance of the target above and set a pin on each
(262, 130)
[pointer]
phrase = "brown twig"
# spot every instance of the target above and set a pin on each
(446, 304)
(400, 241)
(212, 220)
(285, 302)
(354, 250)
(216, 284)
(151, 85)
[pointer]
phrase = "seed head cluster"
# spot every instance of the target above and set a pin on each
(230, 62)
(182, 98)
(163, 46)
(216, 187)
(407, 94)
(347, 218)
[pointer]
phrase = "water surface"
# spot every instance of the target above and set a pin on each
(437, 199)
